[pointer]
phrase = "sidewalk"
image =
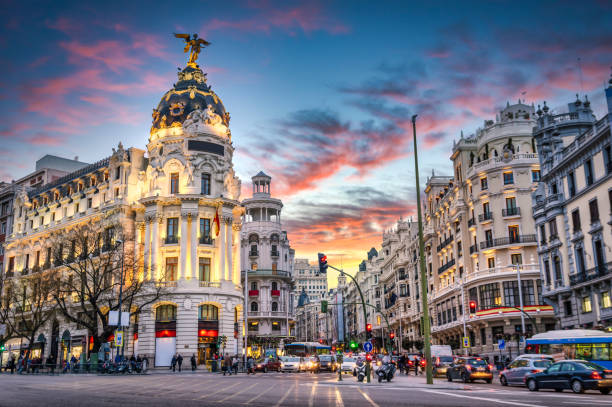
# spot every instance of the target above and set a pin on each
(402, 381)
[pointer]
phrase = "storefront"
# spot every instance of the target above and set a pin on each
(208, 333)
(165, 334)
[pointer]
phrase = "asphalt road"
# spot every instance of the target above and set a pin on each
(272, 389)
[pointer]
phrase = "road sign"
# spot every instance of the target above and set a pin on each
(367, 346)
(118, 339)
(501, 343)
(466, 341)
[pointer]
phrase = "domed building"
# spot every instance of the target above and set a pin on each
(177, 203)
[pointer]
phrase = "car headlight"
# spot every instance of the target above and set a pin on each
(282, 364)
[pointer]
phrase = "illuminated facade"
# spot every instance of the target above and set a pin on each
(166, 197)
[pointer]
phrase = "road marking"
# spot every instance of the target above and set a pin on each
(257, 396)
(280, 402)
(339, 402)
(513, 403)
(220, 390)
(596, 402)
(312, 394)
(237, 393)
(367, 397)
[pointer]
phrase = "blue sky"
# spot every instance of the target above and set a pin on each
(320, 93)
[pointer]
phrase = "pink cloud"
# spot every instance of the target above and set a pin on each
(112, 54)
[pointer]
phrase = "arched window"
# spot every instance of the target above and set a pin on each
(274, 238)
(275, 306)
(165, 313)
(254, 285)
(254, 238)
(208, 312)
(254, 307)
(274, 285)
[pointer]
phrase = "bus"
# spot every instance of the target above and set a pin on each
(586, 344)
(306, 349)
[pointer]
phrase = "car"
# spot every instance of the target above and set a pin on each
(577, 375)
(290, 363)
(535, 356)
(328, 363)
(441, 364)
(268, 364)
(469, 369)
(348, 364)
(516, 371)
(311, 364)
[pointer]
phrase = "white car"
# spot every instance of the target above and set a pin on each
(348, 365)
(291, 363)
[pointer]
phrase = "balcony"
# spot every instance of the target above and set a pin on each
(590, 274)
(166, 284)
(253, 293)
(275, 253)
(171, 240)
(205, 240)
(473, 248)
(275, 293)
(253, 253)
(484, 217)
(503, 241)
(471, 222)
(445, 267)
(445, 243)
(511, 212)
(264, 272)
(213, 284)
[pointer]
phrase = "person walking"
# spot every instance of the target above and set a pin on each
(227, 365)
(193, 362)
(173, 363)
(250, 365)
(12, 364)
(417, 361)
(235, 364)
(179, 359)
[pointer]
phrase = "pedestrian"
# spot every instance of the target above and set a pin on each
(235, 364)
(250, 365)
(416, 365)
(12, 364)
(402, 363)
(173, 363)
(73, 362)
(179, 359)
(193, 362)
(227, 365)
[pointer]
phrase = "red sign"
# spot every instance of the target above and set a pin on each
(208, 332)
(166, 333)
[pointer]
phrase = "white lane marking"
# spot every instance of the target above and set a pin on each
(312, 394)
(221, 389)
(339, 402)
(482, 398)
(249, 401)
(367, 398)
(280, 402)
(237, 393)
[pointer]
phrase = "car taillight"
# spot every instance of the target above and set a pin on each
(468, 367)
(595, 375)
(535, 371)
(490, 367)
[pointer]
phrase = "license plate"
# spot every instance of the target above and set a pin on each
(605, 382)
(481, 369)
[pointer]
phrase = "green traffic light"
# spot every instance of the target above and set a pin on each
(353, 345)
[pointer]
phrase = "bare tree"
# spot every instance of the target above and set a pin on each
(92, 259)
(27, 305)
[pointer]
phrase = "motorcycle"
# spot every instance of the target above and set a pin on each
(360, 368)
(385, 372)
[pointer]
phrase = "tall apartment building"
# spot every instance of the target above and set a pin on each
(267, 258)
(480, 235)
(573, 212)
(308, 279)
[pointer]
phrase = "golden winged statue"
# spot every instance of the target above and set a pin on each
(196, 44)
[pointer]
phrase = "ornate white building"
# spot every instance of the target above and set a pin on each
(267, 258)
(166, 197)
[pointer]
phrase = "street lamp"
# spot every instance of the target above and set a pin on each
(122, 243)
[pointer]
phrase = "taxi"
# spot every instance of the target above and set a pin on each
(470, 369)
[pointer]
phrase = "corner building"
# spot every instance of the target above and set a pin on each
(166, 197)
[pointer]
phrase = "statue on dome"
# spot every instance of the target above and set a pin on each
(211, 117)
(195, 44)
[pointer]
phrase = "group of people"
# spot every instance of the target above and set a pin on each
(406, 363)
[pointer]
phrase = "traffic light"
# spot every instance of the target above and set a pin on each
(321, 341)
(368, 357)
(2, 347)
(353, 345)
(368, 331)
(324, 306)
(392, 335)
(322, 263)
(472, 307)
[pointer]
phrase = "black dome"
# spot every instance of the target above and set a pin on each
(190, 93)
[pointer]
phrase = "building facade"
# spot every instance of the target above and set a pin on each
(308, 279)
(572, 208)
(167, 198)
(267, 260)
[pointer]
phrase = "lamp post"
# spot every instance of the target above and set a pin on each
(122, 243)
(426, 325)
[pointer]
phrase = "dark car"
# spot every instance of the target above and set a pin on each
(578, 375)
(470, 369)
(269, 364)
(441, 364)
(328, 363)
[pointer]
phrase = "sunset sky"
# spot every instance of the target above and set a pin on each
(320, 93)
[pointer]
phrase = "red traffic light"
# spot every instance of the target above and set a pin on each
(392, 335)
(368, 327)
(472, 307)
(368, 357)
(321, 341)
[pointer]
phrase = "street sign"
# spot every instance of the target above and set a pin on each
(118, 339)
(367, 346)
(501, 343)
(113, 318)
(466, 341)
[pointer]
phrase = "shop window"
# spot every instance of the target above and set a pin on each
(208, 312)
(165, 313)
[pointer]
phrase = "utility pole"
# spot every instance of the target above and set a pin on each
(465, 350)
(426, 325)
(122, 242)
(520, 290)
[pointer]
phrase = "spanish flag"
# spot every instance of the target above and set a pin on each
(216, 226)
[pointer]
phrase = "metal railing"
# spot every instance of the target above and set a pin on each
(445, 243)
(511, 211)
(214, 284)
(445, 267)
(502, 241)
(171, 239)
(205, 240)
(485, 216)
(473, 248)
(471, 222)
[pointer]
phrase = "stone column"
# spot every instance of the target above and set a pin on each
(194, 245)
(147, 249)
(229, 237)
(222, 250)
(236, 253)
(155, 224)
(138, 242)
(183, 245)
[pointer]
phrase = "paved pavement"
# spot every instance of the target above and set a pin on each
(271, 389)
